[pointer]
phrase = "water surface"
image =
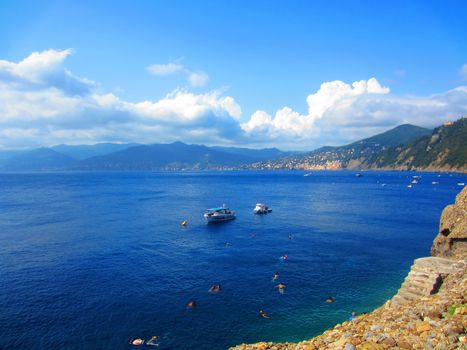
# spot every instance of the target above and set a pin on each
(91, 260)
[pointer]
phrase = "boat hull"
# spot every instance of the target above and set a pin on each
(218, 218)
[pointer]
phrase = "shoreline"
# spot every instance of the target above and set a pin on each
(429, 311)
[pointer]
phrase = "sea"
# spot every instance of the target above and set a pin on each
(92, 260)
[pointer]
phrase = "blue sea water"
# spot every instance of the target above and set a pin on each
(92, 260)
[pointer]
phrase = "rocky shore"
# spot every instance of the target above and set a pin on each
(428, 312)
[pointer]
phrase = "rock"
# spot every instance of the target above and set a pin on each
(370, 346)
(404, 345)
(451, 242)
(423, 327)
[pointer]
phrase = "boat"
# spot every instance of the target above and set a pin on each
(219, 214)
(358, 175)
(415, 181)
(461, 184)
(435, 183)
(261, 209)
(409, 186)
(308, 174)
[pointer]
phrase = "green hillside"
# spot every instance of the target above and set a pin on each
(445, 148)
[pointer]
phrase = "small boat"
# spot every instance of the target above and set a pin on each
(262, 209)
(308, 174)
(358, 175)
(461, 184)
(409, 186)
(219, 214)
(435, 183)
(415, 181)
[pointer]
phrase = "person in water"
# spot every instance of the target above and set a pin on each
(275, 276)
(153, 341)
(352, 316)
(263, 314)
(284, 257)
(330, 300)
(137, 341)
(191, 304)
(215, 288)
(280, 287)
(290, 236)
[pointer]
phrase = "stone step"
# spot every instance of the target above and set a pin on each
(422, 291)
(423, 278)
(409, 295)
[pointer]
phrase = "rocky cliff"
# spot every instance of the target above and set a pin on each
(451, 241)
(428, 312)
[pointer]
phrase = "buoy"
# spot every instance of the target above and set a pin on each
(184, 223)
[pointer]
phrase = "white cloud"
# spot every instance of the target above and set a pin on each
(198, 78)
(43, 103)
(35, 110)
(339, 113)
(194, 78)
(44, 70)
(165, 69)
(463, 72)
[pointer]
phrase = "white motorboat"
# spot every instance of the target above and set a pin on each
(219, 214)
(262, 209)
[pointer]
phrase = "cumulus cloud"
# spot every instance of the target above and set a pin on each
(44, 70)
(194, 78)
(42, 103)
(339, 113)
(38, 106)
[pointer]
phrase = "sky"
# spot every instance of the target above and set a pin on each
(295, 75)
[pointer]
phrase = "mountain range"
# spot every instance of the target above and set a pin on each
(108, 156)
(405, 147)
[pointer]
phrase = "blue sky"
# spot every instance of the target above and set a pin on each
(227, 72)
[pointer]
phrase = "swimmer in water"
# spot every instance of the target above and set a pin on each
(153, 341)
(284, 257)
(330, 300)
(275, 276)
(137, 341)
(280, 287)
(191, 304)
(263, 314)
(227, 244)
(215, 288)
(253, 235)
(290, 236)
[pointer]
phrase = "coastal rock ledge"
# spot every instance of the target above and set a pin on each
(428, 312)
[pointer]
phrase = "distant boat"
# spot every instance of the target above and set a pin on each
(435, 183)
(461, 184)
(219, 214)
(358, 175)
(308, 174)
(409, 186)
(261, 209)
(415, 181)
